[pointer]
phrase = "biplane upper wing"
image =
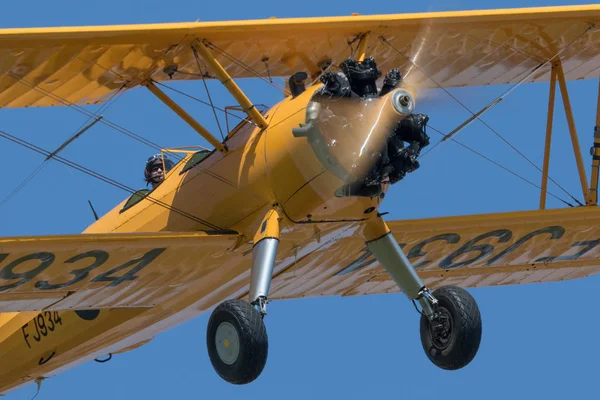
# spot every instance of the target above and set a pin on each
(134, 270)
(86, 65)
(466, 251)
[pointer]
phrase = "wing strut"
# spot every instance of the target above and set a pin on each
(228, 82)
(596, 155)
(573, 131)
(549, 120)
(185, 116)
(362, 46)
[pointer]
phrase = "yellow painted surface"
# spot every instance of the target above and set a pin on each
(185, 116)
(230, 84)
(132, 347)
(311, 264)
(109, 270)
(135, 260)
(375, 228)
(548, 141)
(468, 251)
(11, 321)
(86, 64)
(269, 227)
(49, 337)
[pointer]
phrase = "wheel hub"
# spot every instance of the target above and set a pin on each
(441, 329)
(227, 342)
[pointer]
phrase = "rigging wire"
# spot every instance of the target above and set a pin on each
(208, 92)
(103, 178)
(501, 166)
(90, 114)
(198, 100)
(477, 116)
(119, 128)
(247, 68)
(493, 103)
(515, 86)
(352, 49)
(40, 167)
(23, 183)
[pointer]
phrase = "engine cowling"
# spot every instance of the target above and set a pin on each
(358, 131)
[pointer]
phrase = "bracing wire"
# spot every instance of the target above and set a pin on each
(212, 105)
(116, 126)
(90, 114)
(501, 166)
(103, 178)
(246, 67)
(40, 167)
(493, 103)
(201, 101)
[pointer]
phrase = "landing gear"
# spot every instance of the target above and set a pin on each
(236, 335)
(451, 338)
(450, 320)
(237, 341)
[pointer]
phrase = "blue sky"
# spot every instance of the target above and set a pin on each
(538, 340)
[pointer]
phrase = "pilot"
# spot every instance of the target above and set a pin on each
(154, 173)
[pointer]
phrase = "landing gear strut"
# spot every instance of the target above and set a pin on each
(450, 320)
(236, 334)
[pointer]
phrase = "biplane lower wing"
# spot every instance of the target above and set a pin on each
(64, 297)
(468, 251)
(124, 287)
(136, 270)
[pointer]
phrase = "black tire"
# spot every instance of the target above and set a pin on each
(245, 365)
(456, 343)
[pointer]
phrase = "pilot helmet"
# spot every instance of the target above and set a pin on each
(156, 159)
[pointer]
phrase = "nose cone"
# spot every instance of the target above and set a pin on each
(349, 134)
(403, 102)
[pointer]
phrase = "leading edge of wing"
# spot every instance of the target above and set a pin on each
(42, 67)
(133, 270)
(142, 33)
(468, 251)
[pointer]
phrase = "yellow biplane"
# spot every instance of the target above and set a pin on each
(287, 205)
